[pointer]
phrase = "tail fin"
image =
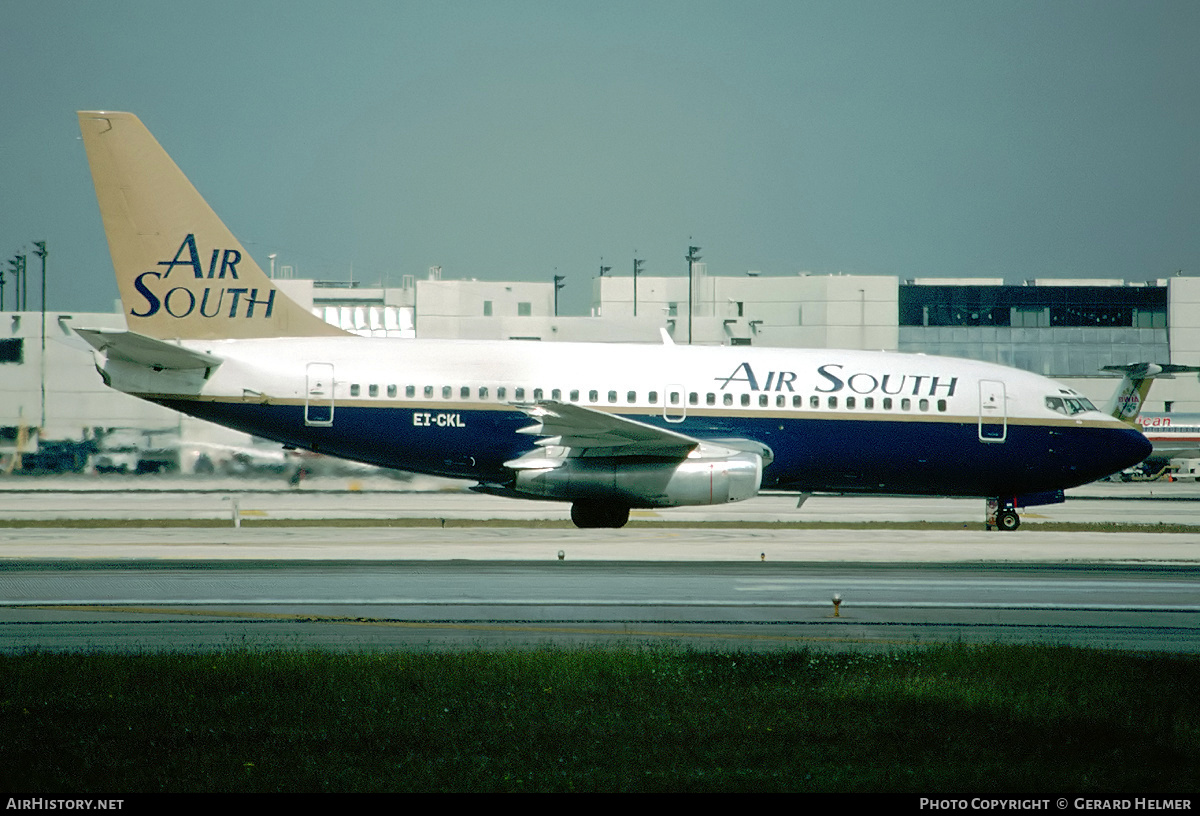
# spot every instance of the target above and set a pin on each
(180, 271)
(1127, 400)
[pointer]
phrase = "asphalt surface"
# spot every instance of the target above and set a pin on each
(690, 585)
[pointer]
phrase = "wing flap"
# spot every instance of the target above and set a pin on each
(589, 432)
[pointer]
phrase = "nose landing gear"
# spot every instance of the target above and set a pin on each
(1002, 515)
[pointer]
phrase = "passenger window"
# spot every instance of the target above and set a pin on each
(710, 398)
(372, 390)
(537, 393)
(849, 402)
(781, 401)
(575, 395)
(763, 400)
(593, 396)
(728, 400)
(745, 400)
(905, 404)
(693, 398)
(653, 398)
(501, 392)
(941, 405)
(447, 391)
(556, 394)
(833, 402)
(924, 404)
(465, 392)
(631, 397)
(519, 393)
(797, 401)
(814, 402)
(429, 392)
(483, 392)
(868, 402)
(354, 390)
(410, 390)
(612, 396)
(887, 403)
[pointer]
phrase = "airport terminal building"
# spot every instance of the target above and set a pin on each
(1066, 329)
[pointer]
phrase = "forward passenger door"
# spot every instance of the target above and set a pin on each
(993, 414)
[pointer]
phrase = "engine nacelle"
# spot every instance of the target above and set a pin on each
(641, 483)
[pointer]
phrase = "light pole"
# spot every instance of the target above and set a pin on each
(17, 268)
(41, 253)
(637, 270)
(558, 284)
(692, 257)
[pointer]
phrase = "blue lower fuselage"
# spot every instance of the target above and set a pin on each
(875, 455)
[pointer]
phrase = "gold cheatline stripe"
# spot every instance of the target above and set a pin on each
(866, 415)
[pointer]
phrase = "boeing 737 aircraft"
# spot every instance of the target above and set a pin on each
(607, 427)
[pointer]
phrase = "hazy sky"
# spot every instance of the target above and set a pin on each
(510, 140)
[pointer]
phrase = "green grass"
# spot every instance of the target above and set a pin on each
(942, 719)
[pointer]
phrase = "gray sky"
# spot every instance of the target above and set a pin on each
(510, 140)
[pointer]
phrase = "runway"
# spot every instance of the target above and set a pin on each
(145, 606)
(680, 586)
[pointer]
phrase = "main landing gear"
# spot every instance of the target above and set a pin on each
(1002, 515)
(598, 514)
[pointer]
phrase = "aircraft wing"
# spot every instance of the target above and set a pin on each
(589, 432)
(158, 355)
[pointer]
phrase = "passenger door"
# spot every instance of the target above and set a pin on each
(993, 415)
(318, 396)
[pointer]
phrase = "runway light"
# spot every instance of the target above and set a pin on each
(837, 602)
(561, 555)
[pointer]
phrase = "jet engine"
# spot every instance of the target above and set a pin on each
(644, 482)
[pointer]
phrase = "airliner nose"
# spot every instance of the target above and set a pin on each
(1126, 447)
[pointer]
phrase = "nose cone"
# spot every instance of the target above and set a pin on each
(1125, 447)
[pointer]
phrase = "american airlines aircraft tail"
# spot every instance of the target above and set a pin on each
(606, 427)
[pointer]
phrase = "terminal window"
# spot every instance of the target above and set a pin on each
(1033, 306)
(12, 350)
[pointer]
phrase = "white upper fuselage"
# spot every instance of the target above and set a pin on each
(634, 378)
(834, 419)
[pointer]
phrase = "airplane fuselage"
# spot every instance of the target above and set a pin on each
(834, 420)
(605, 427)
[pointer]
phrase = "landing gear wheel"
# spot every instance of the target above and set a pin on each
(598, 514)
(1008, 520)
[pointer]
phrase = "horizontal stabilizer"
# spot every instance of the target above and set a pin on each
(158, 355)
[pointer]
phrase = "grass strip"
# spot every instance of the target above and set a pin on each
(997, 719)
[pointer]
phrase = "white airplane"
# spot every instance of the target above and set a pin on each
(1174, 436)
(614, 426)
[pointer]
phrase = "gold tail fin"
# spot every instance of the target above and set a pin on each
(180, 271)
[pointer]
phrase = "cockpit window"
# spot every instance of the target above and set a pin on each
(1069, 406)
